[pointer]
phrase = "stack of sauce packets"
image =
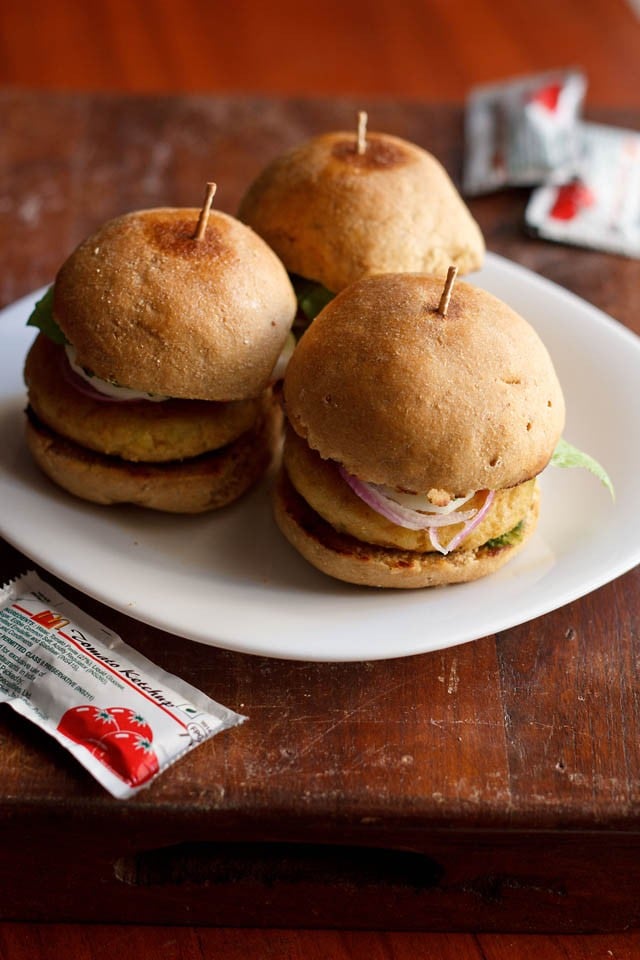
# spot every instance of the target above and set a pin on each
(529, 132)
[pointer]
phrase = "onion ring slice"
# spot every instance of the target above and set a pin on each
(398, 514)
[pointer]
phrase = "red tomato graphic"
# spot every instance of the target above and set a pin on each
(570, 199)
(128, 719)
(87, 723)
(548, 96)
(97, 748)
(117, 736)
(131, 756)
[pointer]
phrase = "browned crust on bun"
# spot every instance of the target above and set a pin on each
(135, 430)
(199, 484)
(147, 306)
(319, 482)
(333, 215)
(345, 558)
(399, 395)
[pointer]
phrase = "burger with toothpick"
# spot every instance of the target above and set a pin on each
(346, 205)
(418, 419)
(150, 380)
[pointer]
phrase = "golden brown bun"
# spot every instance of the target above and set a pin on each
(335, 216)
(147, 306)
(354, 561)
(400, 395)
(202, 483)
(319, 482)
(139, 430)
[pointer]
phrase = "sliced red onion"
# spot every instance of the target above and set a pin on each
(401, 516)
(420, 502)
(418, 520)
(435, 541)
(466, 530)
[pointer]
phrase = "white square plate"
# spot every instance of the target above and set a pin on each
(229, 579)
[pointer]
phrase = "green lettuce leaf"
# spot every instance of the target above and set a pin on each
(312, 296)
(566, 455)
(42, 318)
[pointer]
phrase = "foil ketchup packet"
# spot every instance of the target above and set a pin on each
(522, 132)
(599, 206)
(124, 718)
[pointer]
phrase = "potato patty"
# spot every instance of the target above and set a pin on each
(206, 482)
(344, 557)
(134, 430)
(321, 485)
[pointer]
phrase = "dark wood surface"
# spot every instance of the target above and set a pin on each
(489, 787)
(580, 700)
(84, 942)
(424, 49)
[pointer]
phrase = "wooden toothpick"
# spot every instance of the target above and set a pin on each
(443, 306)
(204, 213)
(362, 131)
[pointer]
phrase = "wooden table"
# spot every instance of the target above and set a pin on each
(489, 787)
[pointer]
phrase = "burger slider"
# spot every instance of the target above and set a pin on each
(342, 206)
(418, 421)
(150, 382)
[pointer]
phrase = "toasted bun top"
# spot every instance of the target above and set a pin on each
(334, 216)
(151, 308)
(400, 395)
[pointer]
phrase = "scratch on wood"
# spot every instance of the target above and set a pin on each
(454, 679)
(347, 716)
(442, 724)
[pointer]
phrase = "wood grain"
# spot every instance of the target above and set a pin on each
(429, 49)
(534, 730)
(488, 787)
(94, 942)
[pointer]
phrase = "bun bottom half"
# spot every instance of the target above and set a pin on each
(354, 561)
(207, 482)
